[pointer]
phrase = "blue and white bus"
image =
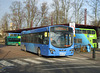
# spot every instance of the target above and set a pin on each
(56, 40)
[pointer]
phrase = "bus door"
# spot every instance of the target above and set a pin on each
(45, 43)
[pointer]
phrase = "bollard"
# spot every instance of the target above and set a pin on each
(94, 52)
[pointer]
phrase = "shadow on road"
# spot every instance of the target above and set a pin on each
(46, 56)
(2, 45)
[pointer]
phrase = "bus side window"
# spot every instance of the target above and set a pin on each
(11, 34)
(84, 31)
(15, 35)
(78, 31)
(29, 38)
(79, 40)
(88, 31)
(93, 32)
(75, 40)
(35, 38)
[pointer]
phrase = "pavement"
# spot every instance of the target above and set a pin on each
(88, 55)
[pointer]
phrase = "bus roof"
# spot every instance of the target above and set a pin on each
(42, 29)
(84, 29)
(76, 25)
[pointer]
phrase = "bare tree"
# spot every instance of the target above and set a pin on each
(31, 12)
(44, 12)
(94, 23)
(53, 16)
(56, 6)
(17, 14)
(77, 7)
(95, 7)
(5, 22)
(65, 7)
(98, 23)
(61, 11)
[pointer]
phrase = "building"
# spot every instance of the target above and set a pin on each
(97, 28)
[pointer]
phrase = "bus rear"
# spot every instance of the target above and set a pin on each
(13, 40)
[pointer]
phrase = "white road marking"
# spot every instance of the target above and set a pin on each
(64, 64)
(5, 63)
(59, 59)
(70, 59)
(80, 58)
(79, 67)
(20, 62)
(33, 61)
(45, 59)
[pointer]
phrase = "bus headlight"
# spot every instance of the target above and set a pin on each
(72, 50)
(51, 50)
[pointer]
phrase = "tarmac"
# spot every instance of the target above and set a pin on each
(8, 52)
(88, 55)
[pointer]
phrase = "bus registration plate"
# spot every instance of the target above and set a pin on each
(62, 53)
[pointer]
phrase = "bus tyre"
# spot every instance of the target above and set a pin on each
(16, 44)
(39, 52)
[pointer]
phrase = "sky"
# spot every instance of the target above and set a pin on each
(5, 4)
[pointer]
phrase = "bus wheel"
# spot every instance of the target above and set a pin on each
(16, 44)
(39, 52)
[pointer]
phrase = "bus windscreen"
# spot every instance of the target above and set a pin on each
(61, 37)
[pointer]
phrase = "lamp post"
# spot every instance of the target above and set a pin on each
(93, 55)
